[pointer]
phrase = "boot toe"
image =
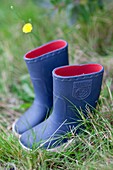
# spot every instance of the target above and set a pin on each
(30, 119)
(25, 142)
(45, 135)
(28, 140)
(21, 126)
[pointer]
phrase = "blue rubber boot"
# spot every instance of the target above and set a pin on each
(40, 63)
(74, 88)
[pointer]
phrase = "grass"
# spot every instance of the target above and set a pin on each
(90, 150)
(92, 42)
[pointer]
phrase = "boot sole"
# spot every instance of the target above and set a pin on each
(56, 149)
(24, 147)
(13, 129)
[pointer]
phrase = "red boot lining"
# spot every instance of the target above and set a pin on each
(52, 46)
(78, 70)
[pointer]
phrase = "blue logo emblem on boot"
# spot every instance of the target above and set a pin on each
(81, 89)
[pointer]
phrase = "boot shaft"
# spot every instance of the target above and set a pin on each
(46, 58)
(75, 88)
(40, 63)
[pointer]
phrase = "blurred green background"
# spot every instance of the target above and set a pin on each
(86, 25)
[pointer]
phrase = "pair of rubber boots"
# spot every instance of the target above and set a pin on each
(69, 89)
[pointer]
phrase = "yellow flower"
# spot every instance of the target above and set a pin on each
(27, 28)
(83, 2)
